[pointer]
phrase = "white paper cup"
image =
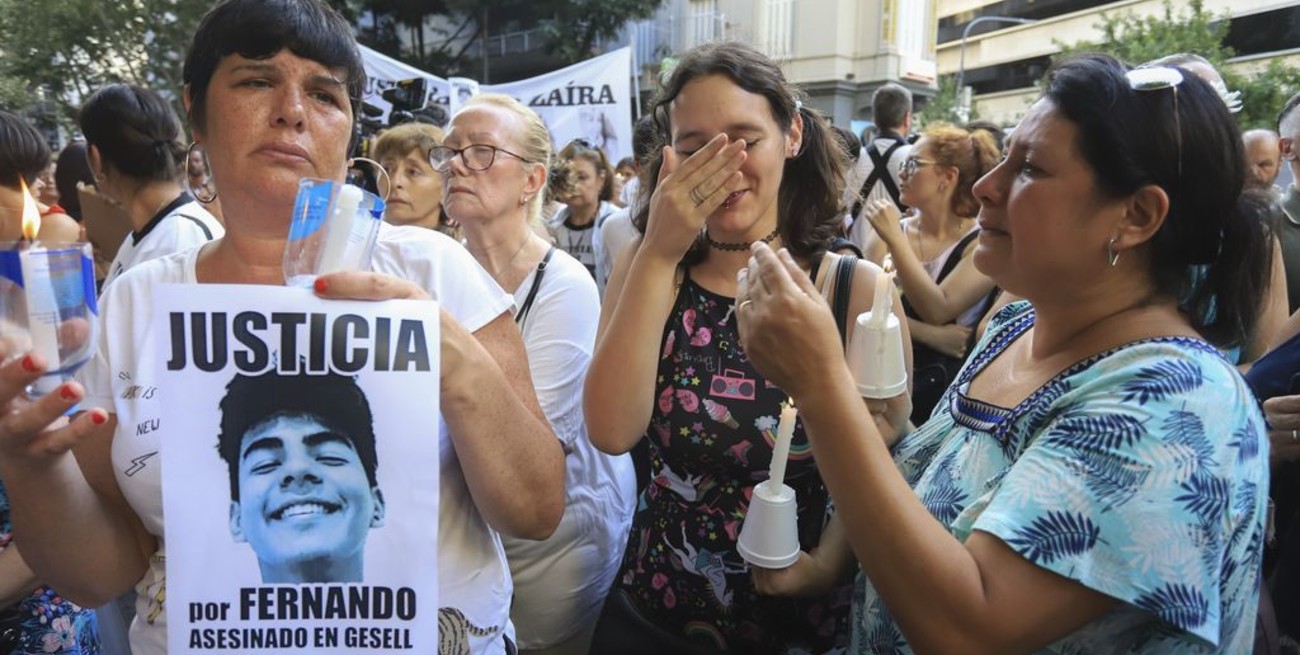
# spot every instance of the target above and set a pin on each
(876, 357)
(769, 538)
(334, 228)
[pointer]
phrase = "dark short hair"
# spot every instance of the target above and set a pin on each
(136, 132)
(579, 149)
(849, 141)
(70, 168)
(808, 202)
(890, 105)
(258, 29)
(335, 400)
(1212, 253)
(23, 151)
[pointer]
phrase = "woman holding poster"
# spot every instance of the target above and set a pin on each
(272, 88)
(494, 161)
(743, 162)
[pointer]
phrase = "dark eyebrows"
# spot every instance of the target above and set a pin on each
(311, 441)
(263, 68)
(730, 129)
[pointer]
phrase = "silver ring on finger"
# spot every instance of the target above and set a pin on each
(1295, 436)
(696, 196)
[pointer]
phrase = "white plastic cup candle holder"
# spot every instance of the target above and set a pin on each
(875, 352)
(48, 307)
(769, 538)
(334, 228)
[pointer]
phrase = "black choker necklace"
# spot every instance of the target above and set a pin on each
(738, 247)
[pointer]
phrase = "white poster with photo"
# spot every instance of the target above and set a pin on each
(590, 100)
(300, 476)
(462, 89)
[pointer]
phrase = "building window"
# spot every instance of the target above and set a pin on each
(778, 40)
(702, 23)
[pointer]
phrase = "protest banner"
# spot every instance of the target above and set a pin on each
(591, 100)
(300, 481)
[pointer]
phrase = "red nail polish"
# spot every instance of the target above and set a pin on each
(98, 418)
(67, 393)
(321, 285)
(29, 364)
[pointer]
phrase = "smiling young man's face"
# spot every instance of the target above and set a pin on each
(305, 501)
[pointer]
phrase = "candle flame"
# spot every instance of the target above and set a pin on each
(31, 215)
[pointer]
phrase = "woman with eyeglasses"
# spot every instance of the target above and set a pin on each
(494, 165)
(1094, 480)
(575, 225)
(944, 295)
(272, 89)
(742, 162)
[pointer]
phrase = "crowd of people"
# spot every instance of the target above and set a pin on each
(1078, 463)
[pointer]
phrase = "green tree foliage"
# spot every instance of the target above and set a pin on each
(1135, 39)
(60, 51)
(942, 108)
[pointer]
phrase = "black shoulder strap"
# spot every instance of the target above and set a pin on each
(839, 244)
(880, 173)
(954, 257)
(949, 265)
(532, 291)
(843, 290)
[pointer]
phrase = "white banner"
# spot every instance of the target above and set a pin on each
(590, 100)
(302, 509)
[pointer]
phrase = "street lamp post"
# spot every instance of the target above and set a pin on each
(963, 109)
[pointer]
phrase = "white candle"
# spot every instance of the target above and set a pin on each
(781, 449)
(882, 300)
(338, 232)
(42, 314)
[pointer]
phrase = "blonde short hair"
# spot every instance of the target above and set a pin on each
(397, 142)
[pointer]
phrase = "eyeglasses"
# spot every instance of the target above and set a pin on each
(476, 157)
(912, 163)
(1157, 78)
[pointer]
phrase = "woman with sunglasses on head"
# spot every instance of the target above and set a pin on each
(133, 143)
(575, 225)
(943, 293)
(742, 163)
(273, 91)
(1094, 481)
(494, 165)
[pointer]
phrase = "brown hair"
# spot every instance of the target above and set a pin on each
(579, 149)
(398, 141)
(808, 202)
(972, 152)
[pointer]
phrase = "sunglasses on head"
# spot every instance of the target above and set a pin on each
(1159, 78)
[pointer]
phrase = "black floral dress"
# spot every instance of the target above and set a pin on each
(711, 436)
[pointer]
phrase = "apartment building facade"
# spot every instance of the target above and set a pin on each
(1003, 60)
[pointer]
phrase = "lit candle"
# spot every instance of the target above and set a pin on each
(42, 305)
(781, 449)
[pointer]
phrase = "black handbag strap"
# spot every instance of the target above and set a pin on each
(880, 173)
(843, 289)
(522, 315)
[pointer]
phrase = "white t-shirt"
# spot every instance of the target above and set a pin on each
(561, 583)
(181, 225)
(861, 227)
(613, 236)
(473, 576)
(579, 241)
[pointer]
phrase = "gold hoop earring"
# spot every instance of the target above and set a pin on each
(1112, 255)
(207, 200)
